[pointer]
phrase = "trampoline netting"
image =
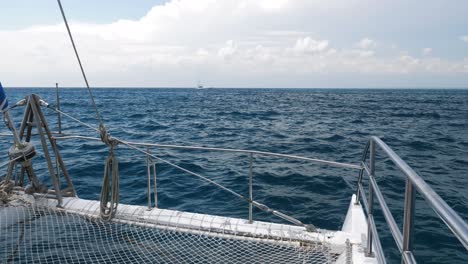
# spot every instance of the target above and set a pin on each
(31, 233)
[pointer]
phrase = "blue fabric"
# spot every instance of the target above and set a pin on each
(3, 98)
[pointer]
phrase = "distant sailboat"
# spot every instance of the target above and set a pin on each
(200, 86)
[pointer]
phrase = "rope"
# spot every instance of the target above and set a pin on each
(110, 187)
(6, 186)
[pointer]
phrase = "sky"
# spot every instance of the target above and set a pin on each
(236, 43)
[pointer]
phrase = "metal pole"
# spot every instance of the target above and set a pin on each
(40, 124)
(16, 174)
(455, 223)
(52, 142)
(250, 189)
(57, 165)
(9, 171)
(148, 169)
(394, 229)
(359, 185)
(58, 108)
(408, 217)
(325, 162)
(363, 159)
(370, 203)
(155, 189)
(11, 125)
(27, 121)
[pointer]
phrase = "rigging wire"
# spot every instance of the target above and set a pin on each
(101, 123)
(73, 118)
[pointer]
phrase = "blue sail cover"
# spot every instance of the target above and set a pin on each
(3, 98)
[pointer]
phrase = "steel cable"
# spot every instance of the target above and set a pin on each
(101, 123)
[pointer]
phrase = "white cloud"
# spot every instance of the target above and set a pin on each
(366, 53)
(228, 50)
(262, 54)
(366, 43)
(464, 38)
(309, 45)
(408, 60)
(202, 53)
(426, 51)
(183, 41)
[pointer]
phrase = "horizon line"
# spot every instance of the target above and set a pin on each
(226, 87)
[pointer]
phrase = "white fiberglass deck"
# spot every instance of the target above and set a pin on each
(38, 231)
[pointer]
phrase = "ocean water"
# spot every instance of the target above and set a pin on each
(427, 128)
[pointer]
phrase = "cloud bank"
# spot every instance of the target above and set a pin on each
(234, 43)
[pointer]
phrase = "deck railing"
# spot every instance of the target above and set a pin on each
(251, 153)
(414, 182)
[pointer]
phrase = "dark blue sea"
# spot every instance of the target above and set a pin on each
(427, 128)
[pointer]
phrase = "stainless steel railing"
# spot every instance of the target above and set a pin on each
(250, 154)
(414, 182)
(244, 151)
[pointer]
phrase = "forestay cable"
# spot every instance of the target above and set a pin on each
(101, 123)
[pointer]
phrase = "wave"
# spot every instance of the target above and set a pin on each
(425, 128)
